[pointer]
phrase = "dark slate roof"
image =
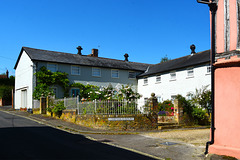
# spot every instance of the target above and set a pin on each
(179, 63)
(68, 58)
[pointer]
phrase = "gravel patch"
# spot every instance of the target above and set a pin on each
(197, 137)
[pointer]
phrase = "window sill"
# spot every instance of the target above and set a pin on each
(207, 74)
(189, 77)
(145, 84)
(172, 80)
(158, 82)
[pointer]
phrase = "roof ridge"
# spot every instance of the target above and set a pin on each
(88, 56)
(47, 50)
(182, 57)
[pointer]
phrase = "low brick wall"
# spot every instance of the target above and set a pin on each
(140, 122)
(36, 110)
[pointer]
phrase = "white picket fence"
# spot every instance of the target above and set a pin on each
(106, 107)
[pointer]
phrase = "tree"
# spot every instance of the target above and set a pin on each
(202, 98)
(6, 86)
(165, 59)
(8, 81)
(6, 92)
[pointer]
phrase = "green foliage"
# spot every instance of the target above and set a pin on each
(186, 104)
(202, 98)
(165, 108)
(6, 86)
(165, 105)
(200, 116)
(165, 59)
(46, 79)
(42, 89)
(196, 114)
(90, 92)
(49, 78)
(56, 108)
(6, 92)
(127, 93)
(108, 92)
(8, 81)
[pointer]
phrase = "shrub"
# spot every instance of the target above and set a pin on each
(6, 92)
(165, 108)
(196, 114)
(57, 108)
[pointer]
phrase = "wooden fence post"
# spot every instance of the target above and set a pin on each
(43, 105)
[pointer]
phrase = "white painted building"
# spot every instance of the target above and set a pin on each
(179, 76)
(24, 82)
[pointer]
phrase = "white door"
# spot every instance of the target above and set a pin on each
(24, 98)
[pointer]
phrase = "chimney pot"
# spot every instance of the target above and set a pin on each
(126, 57)
(193, 47)
(79, 48)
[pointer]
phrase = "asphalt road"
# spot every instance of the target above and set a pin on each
(22, 138)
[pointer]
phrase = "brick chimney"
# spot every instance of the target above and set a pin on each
(94, 53)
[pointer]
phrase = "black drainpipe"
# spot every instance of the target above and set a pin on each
(213, 9)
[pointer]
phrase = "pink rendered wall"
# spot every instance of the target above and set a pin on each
(227, 109)
(233, 24)
(220, 27)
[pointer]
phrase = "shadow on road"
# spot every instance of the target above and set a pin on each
(49, 143)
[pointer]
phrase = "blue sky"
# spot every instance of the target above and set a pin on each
(145, 29)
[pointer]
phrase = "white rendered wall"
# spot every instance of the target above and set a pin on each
(182, 85)
(23, 81)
